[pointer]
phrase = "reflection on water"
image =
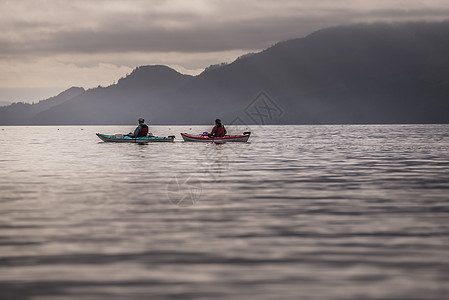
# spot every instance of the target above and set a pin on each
(300, 212)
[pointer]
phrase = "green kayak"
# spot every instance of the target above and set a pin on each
(120, 138)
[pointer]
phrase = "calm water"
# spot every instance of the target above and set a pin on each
(300, 212)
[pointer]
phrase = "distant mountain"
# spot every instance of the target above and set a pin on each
(377, 73)
(144, 93)
(21, 113)
(349, 74)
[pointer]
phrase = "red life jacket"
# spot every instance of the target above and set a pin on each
(219, 131)
(143, 131)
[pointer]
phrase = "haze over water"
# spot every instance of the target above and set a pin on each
(299, 212)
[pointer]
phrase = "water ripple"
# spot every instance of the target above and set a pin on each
(328, 212)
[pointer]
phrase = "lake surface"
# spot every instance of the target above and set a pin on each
(299, 212)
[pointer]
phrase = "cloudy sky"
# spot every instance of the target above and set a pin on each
(47, 46)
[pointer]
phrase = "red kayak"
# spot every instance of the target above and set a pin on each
(224, 139)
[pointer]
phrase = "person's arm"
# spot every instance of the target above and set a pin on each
(225, 130)
(214, 131)
(136, 132)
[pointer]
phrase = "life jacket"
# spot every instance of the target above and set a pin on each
(143, 131)
(219, 131)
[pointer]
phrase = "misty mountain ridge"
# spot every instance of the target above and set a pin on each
(20, 113)
(365, 73)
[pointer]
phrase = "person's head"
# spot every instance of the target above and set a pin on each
(218, 122)
(141, 120)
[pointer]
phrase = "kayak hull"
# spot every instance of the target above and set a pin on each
(119, 138)
(205, 139)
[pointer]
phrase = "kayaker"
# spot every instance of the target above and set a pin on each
(141, 130)
(219, 130)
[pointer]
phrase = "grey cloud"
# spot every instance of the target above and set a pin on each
(185, 31)
(191, 38)
(400, 14)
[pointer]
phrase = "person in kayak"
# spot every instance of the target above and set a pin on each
(219, 130)
(140, 131)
